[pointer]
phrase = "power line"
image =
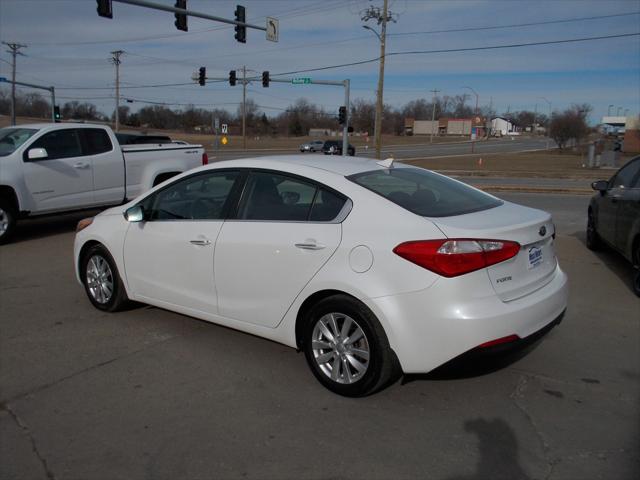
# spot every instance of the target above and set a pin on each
(453, 50)
(515, 25)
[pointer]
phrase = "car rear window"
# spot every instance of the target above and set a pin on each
(425, 193)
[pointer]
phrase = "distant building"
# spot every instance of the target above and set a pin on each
(445, 126)
(631, 143)
(501, 126)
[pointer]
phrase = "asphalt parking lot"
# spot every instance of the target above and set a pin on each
(149, 394)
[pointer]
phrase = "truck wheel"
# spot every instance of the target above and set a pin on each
(7, 220)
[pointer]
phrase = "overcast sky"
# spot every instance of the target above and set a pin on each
(68, 47)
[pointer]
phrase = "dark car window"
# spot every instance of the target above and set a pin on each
(627, 177)
(96, 141)
(425, 193)
(327, 206)
(199, 197)
(271, 196)
(60, 144)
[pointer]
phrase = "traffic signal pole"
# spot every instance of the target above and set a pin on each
(51, 90)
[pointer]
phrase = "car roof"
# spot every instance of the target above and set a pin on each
(343, 166)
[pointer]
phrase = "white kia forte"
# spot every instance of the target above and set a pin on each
(370, 268)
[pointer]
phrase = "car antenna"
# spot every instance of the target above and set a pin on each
(388, 163)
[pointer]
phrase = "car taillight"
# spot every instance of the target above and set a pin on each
(205, 159)
(453, 257)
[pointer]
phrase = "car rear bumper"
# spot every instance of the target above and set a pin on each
(429, 327)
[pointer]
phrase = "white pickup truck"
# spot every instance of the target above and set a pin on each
(60, 167)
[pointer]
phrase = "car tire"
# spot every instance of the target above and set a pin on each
(8, 216)
(102, 281)
(347, 366)
(351, 152)
(593, 239)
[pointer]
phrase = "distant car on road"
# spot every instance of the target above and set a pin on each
(334, 147)
(314, 146)
(614, 216)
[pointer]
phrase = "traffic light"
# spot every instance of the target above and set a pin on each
(202, 76)
(232, 78)
(104, 8)
(56, 113)
(241, 31)
(342, 115)
(181, 18)
(265, 79)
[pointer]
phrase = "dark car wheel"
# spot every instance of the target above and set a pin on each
(351, 152)
(347, 348)
(7, 220)
(593, 239)
(101, 280)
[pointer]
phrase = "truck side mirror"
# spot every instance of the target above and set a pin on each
(134, 214)
(37, 154)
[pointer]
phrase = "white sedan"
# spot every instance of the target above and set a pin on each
(370, 268)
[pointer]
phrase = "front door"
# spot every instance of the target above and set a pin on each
(169, 257)
(64, 179)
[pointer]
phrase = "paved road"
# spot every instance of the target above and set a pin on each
(494, 145)
(149, 394)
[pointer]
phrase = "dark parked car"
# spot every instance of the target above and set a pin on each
(614, 216)
(334, 147)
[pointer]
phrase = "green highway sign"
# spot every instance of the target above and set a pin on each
(301, 80)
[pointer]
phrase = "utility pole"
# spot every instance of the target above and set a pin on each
(244, 107)
(433, 112)
(116, 61)
(382, 18)
(14, 50)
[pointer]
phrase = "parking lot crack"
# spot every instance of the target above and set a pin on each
(34, 447)
(86, 370)
(519, 393)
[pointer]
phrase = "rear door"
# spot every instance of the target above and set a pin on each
(64, 179)
(169, 257)
(285, 230)
(107, 165)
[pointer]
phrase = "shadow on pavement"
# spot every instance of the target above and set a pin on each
(498, 449)
(33, 228)
(612, 260)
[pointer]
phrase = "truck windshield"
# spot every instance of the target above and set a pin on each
(12, 138)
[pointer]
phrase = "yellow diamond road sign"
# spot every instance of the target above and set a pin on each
(224, 140)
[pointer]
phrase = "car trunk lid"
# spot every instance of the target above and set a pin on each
(533, 229)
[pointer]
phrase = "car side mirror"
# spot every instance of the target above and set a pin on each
(37, 153)
(601, 186)
(134, 214)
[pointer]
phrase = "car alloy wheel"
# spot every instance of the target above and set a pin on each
(7, 221)
(99, 279)
(4, 222)
(346, 347)
(102, 281)
(340, 348)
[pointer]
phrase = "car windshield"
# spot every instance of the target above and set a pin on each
(12, 138)
(425, 193)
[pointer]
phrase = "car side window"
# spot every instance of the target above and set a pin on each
(626, 176)
(60, 144)
(96, 141)
(271, 196)
(199, 197)
(327, 206)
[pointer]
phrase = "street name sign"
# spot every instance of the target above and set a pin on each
(301, 80)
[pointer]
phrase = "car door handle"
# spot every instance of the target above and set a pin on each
(81, 165)
(200, 242)
(310, 246)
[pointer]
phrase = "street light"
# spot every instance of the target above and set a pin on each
(609, 110)
(618, 114)
(548, 120)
